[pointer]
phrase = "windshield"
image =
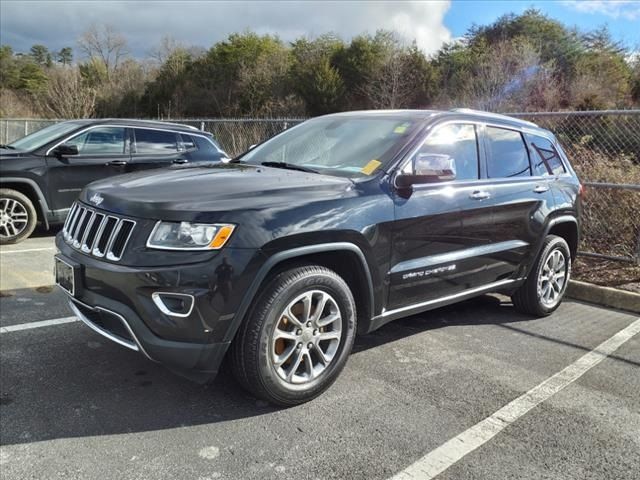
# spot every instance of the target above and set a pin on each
(44, 136)
(347, 146)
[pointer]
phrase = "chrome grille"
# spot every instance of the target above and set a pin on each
(97, 233)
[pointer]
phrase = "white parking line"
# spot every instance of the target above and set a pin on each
(27, 250)
(43, 323)
(443, 457)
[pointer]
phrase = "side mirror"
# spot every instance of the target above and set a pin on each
(65, 150)
(253, 146)
(429, 168)
(442, 167)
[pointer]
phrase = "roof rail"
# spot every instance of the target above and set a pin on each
(490, 114)
(150, 120)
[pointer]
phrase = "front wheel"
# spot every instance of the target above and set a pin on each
(17, 216)
(547, 282)
(298, 337)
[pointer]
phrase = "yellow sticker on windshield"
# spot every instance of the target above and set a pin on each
(370, 167)
(401, 128)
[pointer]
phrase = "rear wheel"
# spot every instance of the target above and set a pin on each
(544, 289)
(298, 337)
(17, 216)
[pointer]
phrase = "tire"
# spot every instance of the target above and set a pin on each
(540, 294)
(18, 216)
(295, 362)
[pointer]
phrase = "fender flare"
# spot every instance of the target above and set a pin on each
(42, 201)
(284, 255)
(551, 223)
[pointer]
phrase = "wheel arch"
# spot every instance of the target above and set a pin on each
(32, 191)
(566, 226)
(345, 258)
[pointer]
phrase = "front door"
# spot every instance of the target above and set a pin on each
(102, 152)
(437, 242)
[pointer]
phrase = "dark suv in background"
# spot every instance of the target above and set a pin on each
(331, 228)
(43, 173)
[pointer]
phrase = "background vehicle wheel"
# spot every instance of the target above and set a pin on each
(298, 336)
(17, 216)
(544, 289)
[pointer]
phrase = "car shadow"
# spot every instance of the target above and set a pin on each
(71, 383)
(41, 232)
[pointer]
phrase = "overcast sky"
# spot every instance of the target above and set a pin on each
(202, 23)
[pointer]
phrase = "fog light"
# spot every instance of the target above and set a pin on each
(174, 304)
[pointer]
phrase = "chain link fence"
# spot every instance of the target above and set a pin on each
(236, 135)
(604, 149)
(603, 146)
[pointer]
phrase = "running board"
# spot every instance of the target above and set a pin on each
(390, 315)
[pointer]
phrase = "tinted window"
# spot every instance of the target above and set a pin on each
(155, 141)
(101, 140)
(187, 142)
(546, 160)
(454, 147)
(507, 154)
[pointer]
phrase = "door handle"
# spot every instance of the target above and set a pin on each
(117, 163)
(479, 195)
(541, 188)
(180, 161)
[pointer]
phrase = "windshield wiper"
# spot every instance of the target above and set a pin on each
(9, 147)
(289, 166)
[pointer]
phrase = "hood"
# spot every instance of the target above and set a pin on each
(10, 153)
(203, 193)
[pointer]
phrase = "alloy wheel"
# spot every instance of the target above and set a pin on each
(552, 278)
(14, 217)
(306, 337)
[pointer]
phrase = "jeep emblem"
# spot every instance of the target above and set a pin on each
(96, 199)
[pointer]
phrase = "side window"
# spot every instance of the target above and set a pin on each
(448, 153)
(187, 142)
(546, 160)
(507, 154)
(155, 141)
(100, 141)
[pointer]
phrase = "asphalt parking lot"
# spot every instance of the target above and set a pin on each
(74, 405)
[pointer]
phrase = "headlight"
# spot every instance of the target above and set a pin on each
(189, 236)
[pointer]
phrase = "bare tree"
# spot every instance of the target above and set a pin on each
(391, 86)
(105, 43)
(502, 74)
(162, 52)
(66, 96)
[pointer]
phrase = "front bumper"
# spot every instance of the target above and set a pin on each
(117, 302)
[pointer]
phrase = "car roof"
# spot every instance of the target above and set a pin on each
(456, 113)
(138, 123)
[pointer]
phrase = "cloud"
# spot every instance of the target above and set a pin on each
(626, 9)
(202, 23)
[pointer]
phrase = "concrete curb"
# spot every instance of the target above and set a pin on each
(605, 296)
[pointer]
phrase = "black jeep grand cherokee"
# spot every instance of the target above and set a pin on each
(334, 227)
(41, 174)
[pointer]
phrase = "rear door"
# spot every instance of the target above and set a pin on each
(521, 199)
(435, 245)
(102, 152)
(152, 148)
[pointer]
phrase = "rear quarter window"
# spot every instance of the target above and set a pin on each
(545, 158)
(205, 144)
(507, 154)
